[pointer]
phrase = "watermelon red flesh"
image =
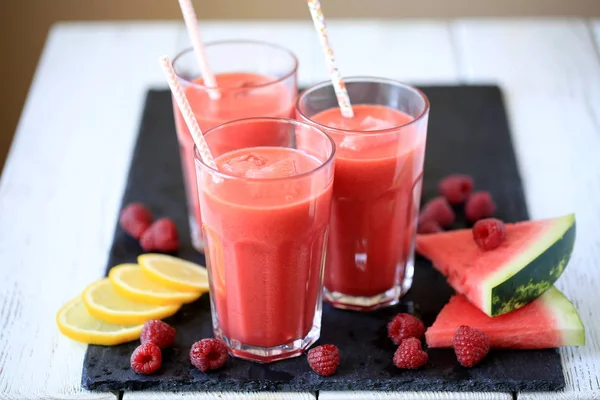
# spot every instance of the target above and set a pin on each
(547, 322)
(525, 265)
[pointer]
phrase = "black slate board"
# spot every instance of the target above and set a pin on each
(468, 133)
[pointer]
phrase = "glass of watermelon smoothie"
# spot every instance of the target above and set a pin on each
(377, 189)
(255, 79)
(265, 216)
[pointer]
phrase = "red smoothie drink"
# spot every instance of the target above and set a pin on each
(378, 177)
(252, 93)
(265, 222)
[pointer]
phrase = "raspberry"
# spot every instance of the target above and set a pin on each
(489, 233)
(429, 226)
(158, 332)
(479, 205)
(135, 219)
(208, 354)
(470, 345)
(456, 188)
(324, 359)
(410, 355)
(146, 358)
(162, 236)
(439, 211)
(404, 326)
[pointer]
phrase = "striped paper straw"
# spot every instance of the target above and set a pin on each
(186, 111)
(191, 23)
(338, 83)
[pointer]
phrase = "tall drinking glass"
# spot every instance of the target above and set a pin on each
(265, 216)
(256, 79)
(377, 189)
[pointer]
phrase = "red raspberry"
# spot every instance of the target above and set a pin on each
(489, 233)
(429, 226)
(158, 332)
(410, 355)
(146, 358)
(456, 188)
(135, 219)
(439, 211)
(162, 236)
(470, 345)
(479, 205)
(208, 354)
(324, 359)
(404, 326)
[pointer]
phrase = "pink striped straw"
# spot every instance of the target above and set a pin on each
(186, 111)
(336, 78)
(191, 23)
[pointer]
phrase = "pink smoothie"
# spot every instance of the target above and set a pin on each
(265, 243)
(240, 98)
(376, 191)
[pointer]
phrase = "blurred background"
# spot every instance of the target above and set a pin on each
(24, 25)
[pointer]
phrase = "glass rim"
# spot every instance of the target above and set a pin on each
(374, 132)
(216, 172)
(274, 46)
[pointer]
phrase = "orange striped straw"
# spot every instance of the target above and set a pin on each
(191, 23)
(336, 78)
(186, 111)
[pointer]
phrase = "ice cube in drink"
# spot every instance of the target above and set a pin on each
(280, 169)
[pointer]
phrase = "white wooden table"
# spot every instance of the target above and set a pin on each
(63, 181)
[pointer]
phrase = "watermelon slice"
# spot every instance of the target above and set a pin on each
(547, 322)
(526, 264)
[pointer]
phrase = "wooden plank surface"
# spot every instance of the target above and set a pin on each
(413, 396)
(218, 395)
(60, 193)
(550, 73)
(396, 46)
(62, 183)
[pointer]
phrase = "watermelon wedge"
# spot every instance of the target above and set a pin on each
(548, 321)
(527, 263)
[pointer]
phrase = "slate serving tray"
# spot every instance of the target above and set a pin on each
(468, 133)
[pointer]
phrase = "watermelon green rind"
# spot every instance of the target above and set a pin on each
(568, 320)
(513, 286)
(549, 321)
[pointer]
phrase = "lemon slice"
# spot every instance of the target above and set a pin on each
(75, 322)
(132, 283)
(174, 272)
(103, 302)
